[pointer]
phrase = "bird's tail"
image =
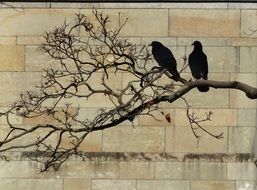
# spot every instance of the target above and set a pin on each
(175, 74)
(203, 88)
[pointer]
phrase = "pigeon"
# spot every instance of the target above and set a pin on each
(164, 57)
(198, 64)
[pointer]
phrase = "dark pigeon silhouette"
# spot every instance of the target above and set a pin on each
(198, 64)
(164, 57)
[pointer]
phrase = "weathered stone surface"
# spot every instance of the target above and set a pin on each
(19, 6)
(248, 24)
(241, 171)
(71, 5)
(204, 23)
(7, 41)
(205, 41)
(192, 5)
(30, 41)
(129, 5)
(191, 170)
(76, 184)
(33, 22)
(247, 117)
(138, 139)
(220, 117)
(238, 99)
(245, 185)
(163, 185)
(241, 139)
(18, 169)
(182, 139)
(244, 41)
(248, 59)
(113, 184)
(32, 184)
(212, 185)
(13, 83)
(11, 58)
(136, 170)
(167, 41)
(85, 170)
(242, 6)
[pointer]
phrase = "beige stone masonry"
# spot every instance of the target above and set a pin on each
(204, 23)
(212, 185)
(163, 185)
(113, 184)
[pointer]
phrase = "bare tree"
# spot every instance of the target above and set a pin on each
(79, 62)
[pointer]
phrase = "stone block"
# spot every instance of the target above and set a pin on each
(245, 185)
(32, 184)
(248, 58)
(13, 83)
(29, 41)
(107, 184)
(11, 58)
(204, 23)
(37, 60)
(182, 139)
(191, 170)
(205, 41)
(163, 185)
(74, 5)
(18, 169)
(238, 99)
(33, 22)
(138, 21)
(159, 118)
(76, 184)
(136, 170)
(212, 185)
(138, 139)
(133, 5)
(219, 118)
(242, 5)
(176, 5)
(167, 41)
(244, 41)
(85, 170)
(19, 6)
(248, 24)
(241, 139)
(8, 41)
(247, 117)
(91, 143)
(241, 171)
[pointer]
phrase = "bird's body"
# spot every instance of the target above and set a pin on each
(165, 59)
(198, 64)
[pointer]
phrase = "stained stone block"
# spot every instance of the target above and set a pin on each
(204, 23)
(11, 58)
(241, 171)
(18, 169)
(33, 22)
(238, 99)
(244, 41)
(113, 184)
(191, 170)
(32, 184)
(219, 117)
(212, 185)
(205, 41)
(163, 185)
(136, 170)
(138, 139)
(241, 139)
(248, 59)
(76, 184)
(30, 41)
(192, 5)
(182, 139)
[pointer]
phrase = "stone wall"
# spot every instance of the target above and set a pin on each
(155, 154)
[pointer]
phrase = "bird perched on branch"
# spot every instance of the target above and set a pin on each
(198, 64)
(164, 57)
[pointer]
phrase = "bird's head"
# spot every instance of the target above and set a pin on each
(156, 44)
(197, 45)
